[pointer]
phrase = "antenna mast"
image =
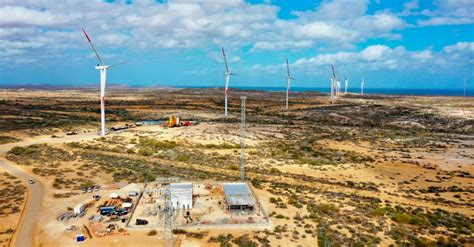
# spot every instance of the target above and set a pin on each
(168, 228)
(242, 138)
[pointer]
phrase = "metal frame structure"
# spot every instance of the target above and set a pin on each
(168, 227)
(243, 100)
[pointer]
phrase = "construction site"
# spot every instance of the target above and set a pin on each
(165, 204)
(199, 205)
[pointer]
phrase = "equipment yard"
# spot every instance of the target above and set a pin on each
(209, 210)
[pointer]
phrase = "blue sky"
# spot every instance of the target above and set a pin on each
(392, 44)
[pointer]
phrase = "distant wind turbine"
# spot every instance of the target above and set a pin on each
(288, 82)
(227, 75)
(362, 86)
(103, 74)
(338, 87)
(346, 86)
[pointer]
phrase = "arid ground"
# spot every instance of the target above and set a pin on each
(370, 170)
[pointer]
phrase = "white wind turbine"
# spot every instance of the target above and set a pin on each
(362, 86)
(338, 87)
(288, 82)
(346, 86)
(227, 75)
(103, 74)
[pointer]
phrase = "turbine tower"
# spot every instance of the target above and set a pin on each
(362, 86)
(288, 82)
(227, 75)
(347, 85)
(103, 74)
(243, 99)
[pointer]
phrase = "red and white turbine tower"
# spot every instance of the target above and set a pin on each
(103, 74)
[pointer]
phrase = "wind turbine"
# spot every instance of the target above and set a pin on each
(103, 74)
(227, 75)
(346, 86)
(333, 82)
(362, 86)
(288, 79)
(338, 87)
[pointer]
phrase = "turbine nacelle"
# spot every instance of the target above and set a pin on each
(101, 67)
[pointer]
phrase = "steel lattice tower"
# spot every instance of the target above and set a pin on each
(168, 228)
(242, 138)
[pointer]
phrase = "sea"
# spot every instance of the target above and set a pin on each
(390, 91)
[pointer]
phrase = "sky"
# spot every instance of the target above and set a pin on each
(390, 43)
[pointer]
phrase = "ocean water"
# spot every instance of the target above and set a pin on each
(390, 91)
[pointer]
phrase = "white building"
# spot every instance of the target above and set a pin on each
(79, 208)
(181, 195)
(238, 196)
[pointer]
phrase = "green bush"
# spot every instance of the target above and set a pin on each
(145, 152)
(402, 218)
(379, 211)
(152, 233)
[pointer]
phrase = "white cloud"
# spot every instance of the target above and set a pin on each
(375, 52)
(445, 20)
(39, 29)
(336, 9)
(449, 12)
(467, 47)
(17, 16)
(381, 57)
(47, 27)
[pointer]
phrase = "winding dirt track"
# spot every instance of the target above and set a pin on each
(25, 232)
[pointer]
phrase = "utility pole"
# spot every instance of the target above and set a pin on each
(242, 138)
(168, 228)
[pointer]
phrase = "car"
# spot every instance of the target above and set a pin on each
(31, 181)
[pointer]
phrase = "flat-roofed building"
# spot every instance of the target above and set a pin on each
(181, 195)
(238, 196)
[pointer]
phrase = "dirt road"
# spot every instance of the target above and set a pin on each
(25, 232)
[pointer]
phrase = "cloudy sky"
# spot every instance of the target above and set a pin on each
(391, 43)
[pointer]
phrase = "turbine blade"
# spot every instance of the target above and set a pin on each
(333, 73)
(225, 60)
(113, 65)
(288, 68)
(93, 48)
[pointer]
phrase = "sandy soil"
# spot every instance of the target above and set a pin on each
(402, 169)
